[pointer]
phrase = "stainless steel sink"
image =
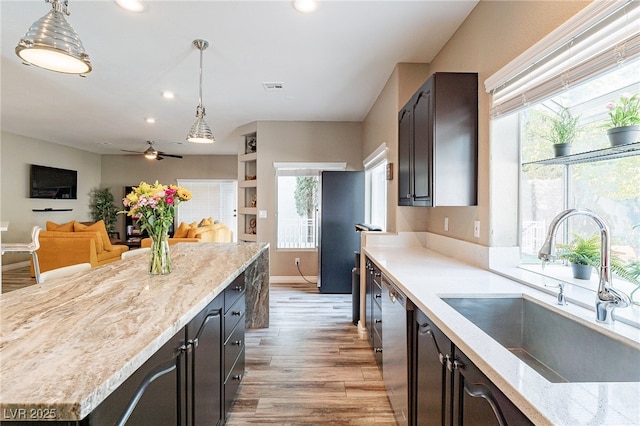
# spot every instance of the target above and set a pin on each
(557, 347)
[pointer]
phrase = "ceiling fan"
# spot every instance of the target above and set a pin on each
(153, 154)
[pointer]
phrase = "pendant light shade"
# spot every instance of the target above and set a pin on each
(200, 131)
(51, 43)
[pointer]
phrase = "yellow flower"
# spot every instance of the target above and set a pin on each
(183, 193)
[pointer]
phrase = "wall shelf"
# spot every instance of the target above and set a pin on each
(610, 153)
(51, 210)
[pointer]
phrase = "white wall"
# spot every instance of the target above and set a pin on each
(16, 154)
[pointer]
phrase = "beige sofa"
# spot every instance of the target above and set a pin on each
(207, 231)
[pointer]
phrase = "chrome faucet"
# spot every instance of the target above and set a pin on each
(608, 298)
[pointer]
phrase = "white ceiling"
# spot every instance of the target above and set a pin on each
(334, 63)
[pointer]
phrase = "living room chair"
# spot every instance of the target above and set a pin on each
(63, 271)
(134, 253)
(30, 247)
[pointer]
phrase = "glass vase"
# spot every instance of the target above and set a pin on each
(160, 256)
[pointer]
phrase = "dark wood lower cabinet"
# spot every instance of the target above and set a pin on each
(448, 389)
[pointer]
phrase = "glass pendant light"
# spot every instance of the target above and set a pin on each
(200, 132)
(52, 44)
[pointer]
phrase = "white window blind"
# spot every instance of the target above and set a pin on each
(211, 198)
(306, 169)
(602, 36)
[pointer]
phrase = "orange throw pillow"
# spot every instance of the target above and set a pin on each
(96, 227)
(182, 231)
(67, 227)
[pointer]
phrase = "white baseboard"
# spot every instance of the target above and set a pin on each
(16, 265)
(291, 279)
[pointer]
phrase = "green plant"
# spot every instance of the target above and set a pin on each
(564, 127)
(583, 251)
(101, 207)
(624, 112)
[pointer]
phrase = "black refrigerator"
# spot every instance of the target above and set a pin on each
(341, 207)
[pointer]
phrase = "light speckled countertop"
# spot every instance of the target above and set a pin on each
(65, 345)
(426, 276)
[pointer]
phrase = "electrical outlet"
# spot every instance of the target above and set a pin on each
(476, 228)
(297, 261)
(446, 223)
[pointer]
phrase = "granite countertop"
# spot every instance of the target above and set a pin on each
(65, 345)
(425, 276)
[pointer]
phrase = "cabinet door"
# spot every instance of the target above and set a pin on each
(405, 142)
(477, 401)
(423, 145)
(369, 300)
(432, 381)
(204, 333)
(153, 395)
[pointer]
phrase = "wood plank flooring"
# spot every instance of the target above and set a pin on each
(308, 368)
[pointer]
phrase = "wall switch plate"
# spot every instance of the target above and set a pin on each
(476, 228)
(446, 223)
(262, 214)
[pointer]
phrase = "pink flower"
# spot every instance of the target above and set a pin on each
(168, 200)
(170, 191)
(611, 105)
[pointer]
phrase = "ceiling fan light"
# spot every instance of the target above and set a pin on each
(51, 43)
(150, 153)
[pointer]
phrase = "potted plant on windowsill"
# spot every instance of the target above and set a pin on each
(563, 131)
(583, 254)
(624, 120)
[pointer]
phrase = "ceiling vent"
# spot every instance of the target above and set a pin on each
(273, 86)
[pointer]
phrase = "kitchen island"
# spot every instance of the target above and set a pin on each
(68, 344)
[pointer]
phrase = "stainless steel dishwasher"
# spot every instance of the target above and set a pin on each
(395, 359)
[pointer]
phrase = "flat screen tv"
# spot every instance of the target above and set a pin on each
(50, 182)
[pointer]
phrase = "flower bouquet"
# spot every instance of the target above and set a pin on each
(153, 208)
(624, 120)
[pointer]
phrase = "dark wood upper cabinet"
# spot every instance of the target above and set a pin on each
(438, 143)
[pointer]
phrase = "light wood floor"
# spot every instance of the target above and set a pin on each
(308, 368)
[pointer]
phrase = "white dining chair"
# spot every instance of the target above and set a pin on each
(30, 247)
(133, 253)
(63, 271)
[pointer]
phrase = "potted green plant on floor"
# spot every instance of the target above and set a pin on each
(583, 254)
(102, 207)
(563, 131)
(624, 120)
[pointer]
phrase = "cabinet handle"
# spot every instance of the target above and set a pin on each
(408, 195)
(377, 274)
(236, 313)
(154, 374)
(237, 377)
(378, 296)
(237, 343)
(454, 365)
(378, 350)
(377, 321)
(238, 288)
(480, 391)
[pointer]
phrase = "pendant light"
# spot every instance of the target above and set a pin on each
(200, 132)
(52, 44)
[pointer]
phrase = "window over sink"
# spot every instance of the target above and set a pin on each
(572, 90)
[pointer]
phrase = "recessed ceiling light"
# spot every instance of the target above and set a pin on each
(131, 5)
(150, 120)
(103, 143)
(306, 6)
(168, 94)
